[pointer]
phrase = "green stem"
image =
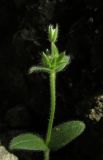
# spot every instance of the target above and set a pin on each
(52, 49)
(53, 101)
(46, 155)
(52, 111)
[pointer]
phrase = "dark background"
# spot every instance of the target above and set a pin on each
(25, 99)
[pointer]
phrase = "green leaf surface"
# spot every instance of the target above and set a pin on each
(46, 60)
(38, 69)
(65, 133)
(28, 142)
(54, 50)
(62, 61)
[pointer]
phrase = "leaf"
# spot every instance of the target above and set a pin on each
(65, 133)
(54, 50)
(28, 142)
(46, 60)
(38, 69)
(62, 61)
(61, 56)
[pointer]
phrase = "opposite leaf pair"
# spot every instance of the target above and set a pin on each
(56, 61)
(61, 136)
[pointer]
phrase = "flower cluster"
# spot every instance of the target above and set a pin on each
(52, 59)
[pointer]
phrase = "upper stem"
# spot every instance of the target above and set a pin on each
(53, 103)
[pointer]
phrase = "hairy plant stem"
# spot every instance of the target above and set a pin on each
(52, 111)
(46, 154)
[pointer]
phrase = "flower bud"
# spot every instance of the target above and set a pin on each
(53, 33)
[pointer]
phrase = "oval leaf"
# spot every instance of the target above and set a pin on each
(28, 142)
(65, 133)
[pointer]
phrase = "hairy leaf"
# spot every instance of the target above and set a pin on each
(28, 142)
(65, 133)
(38, 69)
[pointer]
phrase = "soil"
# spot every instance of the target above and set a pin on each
(24, 99)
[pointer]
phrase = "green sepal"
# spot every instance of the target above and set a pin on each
(65, 133)
(50, 33)
(28, 142)
(56, 33)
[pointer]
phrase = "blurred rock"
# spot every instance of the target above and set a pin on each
(5, 155)
(96, 113)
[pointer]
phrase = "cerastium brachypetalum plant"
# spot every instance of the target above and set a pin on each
(57, 137)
